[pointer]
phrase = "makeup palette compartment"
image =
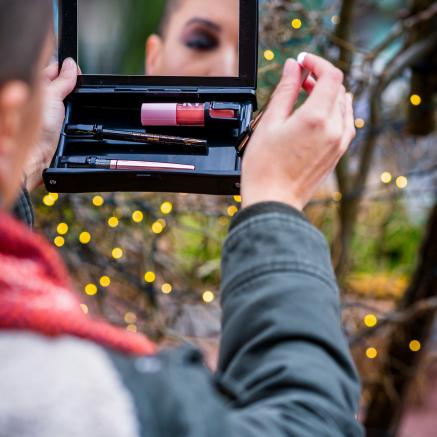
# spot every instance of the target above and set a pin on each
(155, 133)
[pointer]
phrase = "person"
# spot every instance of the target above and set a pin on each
(196, 38)
(284, 366)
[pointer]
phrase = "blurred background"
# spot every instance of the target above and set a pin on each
(151, 262)
(112, 34)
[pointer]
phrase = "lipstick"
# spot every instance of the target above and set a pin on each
(214, 114)
(120, 164)
(99, 132)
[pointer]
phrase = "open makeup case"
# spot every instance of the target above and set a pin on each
(154, 134)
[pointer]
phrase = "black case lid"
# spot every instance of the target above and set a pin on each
(68, 47)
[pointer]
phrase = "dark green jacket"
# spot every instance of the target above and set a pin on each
(284, 366)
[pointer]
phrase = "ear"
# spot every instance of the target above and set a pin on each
(14, 97)
(154, 47)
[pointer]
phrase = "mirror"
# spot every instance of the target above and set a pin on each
(198, 38)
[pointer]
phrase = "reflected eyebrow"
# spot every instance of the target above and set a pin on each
(205, 22)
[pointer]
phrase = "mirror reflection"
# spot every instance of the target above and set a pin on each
(159, 37)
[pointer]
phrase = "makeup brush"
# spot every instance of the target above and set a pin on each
(254, 123)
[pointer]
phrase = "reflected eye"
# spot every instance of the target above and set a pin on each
(201, 40)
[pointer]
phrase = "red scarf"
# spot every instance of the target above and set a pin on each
(35, 294)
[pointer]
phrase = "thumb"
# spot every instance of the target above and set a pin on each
(285, 96)
(66, 81)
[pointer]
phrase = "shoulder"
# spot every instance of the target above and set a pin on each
(64, 386)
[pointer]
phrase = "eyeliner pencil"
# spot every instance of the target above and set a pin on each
(121, 164)
(99, 132)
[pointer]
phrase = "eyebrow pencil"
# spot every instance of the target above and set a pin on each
(99, 132)
(120, 164)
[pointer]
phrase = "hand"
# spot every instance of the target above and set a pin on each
(57, 87)
(291, 153)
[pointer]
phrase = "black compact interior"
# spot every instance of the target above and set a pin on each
(91, 158)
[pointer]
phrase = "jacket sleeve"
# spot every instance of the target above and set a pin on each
(284, 367)
(283, 353)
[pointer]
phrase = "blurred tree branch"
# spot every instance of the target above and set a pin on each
(384, 411)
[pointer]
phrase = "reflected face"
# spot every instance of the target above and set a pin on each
(201, 39)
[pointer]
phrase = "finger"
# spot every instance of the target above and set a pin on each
(329, 80)
(349, 121)
(309, 85)
(285, 96)
(51, 72)
(67, 79)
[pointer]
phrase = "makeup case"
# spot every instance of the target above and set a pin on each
(115, 102)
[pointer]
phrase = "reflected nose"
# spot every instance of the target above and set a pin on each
(226, 64)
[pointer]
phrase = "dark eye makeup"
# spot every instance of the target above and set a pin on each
(201, 40)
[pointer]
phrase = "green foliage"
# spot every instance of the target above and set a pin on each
(386, 239)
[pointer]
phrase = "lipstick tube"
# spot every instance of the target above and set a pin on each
(214, 114)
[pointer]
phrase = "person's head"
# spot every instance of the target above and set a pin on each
(25, 48)
(197, 38)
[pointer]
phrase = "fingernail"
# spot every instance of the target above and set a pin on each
(301, 57)
(69, 63)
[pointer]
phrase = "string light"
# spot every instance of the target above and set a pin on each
(50, 199)
(237, 199)
(232, 210)
(117, 253)
(157, 228)
(105, 281)
(62, 228)
(337, 196)
(401, 182)
(371, 353)
(296, 23)
(137, 216)
(166, 288)
(132, 328)
(166, 208)
(149, 277)
(370, 320)
(415, 99)
(59, 241)
(85, 237)
(386, 177)
(223, 221)
(98, 201)
(269, 55)
(415, 345)
(208, 296)
(130, 318)
(91, 289)
(84, 308)
(359, 123)
(113, 222)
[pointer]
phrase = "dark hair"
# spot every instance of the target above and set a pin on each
(169, 8)
(24, 28)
